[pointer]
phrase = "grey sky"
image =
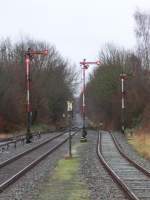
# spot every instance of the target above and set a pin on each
(78, 28)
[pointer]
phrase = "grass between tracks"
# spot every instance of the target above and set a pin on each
(65, 183)
(141, 142)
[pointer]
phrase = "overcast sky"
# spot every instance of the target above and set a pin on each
(78, 28)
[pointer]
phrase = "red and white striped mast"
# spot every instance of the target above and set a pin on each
(85, 66)
(123, 78)
(28, 57)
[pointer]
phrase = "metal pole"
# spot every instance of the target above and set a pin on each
(28, 135)
(28, 56)
(70, 137)
(83, 98)
(84, 133)
(85, 66)
(122, 104)
(70, 110)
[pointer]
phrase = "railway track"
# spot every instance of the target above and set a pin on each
(131, 177)
(22, 139)
(15, 167)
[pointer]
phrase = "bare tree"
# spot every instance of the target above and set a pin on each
(52, 79)
(103, 91)
(142, 32)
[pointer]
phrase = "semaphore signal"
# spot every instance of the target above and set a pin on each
(85, 64)
(29, 55)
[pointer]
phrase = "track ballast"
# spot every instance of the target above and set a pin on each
(132, 178)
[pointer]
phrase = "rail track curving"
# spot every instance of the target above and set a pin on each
(133, 179)
(15, 167)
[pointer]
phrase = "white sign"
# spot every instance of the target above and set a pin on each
(69, 105)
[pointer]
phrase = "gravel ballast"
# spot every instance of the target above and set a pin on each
(20, 147)
(27, 187)
(100, 184)
(91, 174)
(130, 151)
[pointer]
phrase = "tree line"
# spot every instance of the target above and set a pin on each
(103, 91)
(52, 80)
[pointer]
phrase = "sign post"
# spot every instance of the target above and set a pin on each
(69, 110)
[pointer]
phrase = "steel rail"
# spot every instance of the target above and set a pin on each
(19, 174)
(146, 172)
(14, 158)
(23, 137)
(115, 177)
